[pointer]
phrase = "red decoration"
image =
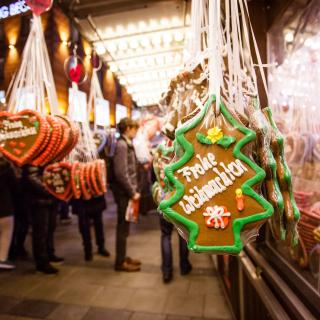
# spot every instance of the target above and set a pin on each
(217, 217)
(75, 73)
(39, 6)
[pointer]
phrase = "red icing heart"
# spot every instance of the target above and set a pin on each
(39, 6)
(75, 73)
(57, 180)
(20, 138)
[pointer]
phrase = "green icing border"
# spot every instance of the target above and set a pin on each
(237, 225)
(202, 138)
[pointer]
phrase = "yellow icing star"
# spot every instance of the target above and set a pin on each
(214, 134)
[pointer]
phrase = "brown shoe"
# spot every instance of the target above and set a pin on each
(132, 261)
(127, 267)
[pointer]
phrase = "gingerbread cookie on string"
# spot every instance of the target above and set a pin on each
(291, 211)
(179, 100)
(214, 199)
(266, 160)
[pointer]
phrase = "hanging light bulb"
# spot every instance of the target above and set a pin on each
(167, 38)
(178, 36)
(123, 45)
(142, 26)
(145, 42)
(164, 22)
(156, 40)
(113, 67)
(131, 28)
(111, 47)
(120, 29)
(175, 21)
(134, 44)
(154, 24)
(289, 37)
(100, 49)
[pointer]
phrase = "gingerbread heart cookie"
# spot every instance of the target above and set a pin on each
(21, 135)
(57, 180)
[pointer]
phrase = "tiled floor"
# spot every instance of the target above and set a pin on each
(93, 291)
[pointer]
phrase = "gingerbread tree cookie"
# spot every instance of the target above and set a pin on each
(214, 200)
(291, 211)
(266, 160)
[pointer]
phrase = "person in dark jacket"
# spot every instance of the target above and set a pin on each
(21, 221)
(43, 208)
(7, 191)
(125, 187)
(87, 211)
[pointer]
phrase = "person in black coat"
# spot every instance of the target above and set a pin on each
(87, 211)
(7, 192)
(125, 187)
(43, 208)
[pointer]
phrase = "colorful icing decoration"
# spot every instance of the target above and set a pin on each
(85, 180)
(202, 138)
(57, 180)
(214, 134)
(208, 175)
(239, 199)
(217, 217)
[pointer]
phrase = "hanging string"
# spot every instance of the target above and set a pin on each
(35, 74)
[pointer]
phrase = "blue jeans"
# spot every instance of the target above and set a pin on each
(166, 249)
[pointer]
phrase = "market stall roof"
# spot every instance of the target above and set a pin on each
(142, 41)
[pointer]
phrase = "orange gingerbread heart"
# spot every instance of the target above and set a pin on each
(57, 180)
(21, 135)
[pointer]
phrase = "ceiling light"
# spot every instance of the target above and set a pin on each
(123, 80)
(188, 19)
(178, 36)
(123, 45)
(113, 67)
(167, 37)
(122, 66)
(175, 21)
(154, 24)
(160, 60)
(289, 37)
(169, 58)
(164, 22)
(142, 26)
(134, 44)
(156, 40)
(177, 58)
(111, 47)
(109, 32)
(145, 42)
(100, 49)
(150, 61)
(131, 28)
(120, 29)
